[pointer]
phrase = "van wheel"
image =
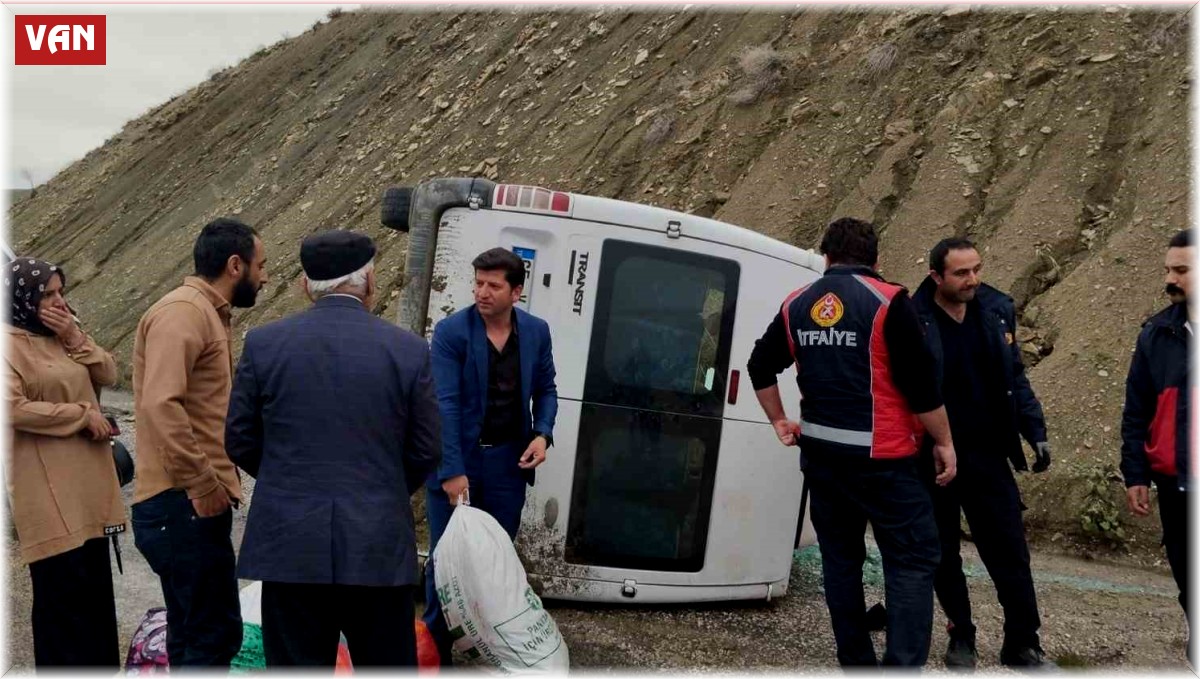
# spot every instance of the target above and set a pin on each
(393, 213)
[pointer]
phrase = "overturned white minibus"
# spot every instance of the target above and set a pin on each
(666, 482)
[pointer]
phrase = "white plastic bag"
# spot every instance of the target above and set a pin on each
(250, 597)
(490, 610)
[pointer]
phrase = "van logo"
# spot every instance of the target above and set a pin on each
(577, 275)
(60, 40)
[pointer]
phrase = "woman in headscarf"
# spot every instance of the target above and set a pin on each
(62, 485)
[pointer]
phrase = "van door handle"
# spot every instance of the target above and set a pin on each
(734, 378)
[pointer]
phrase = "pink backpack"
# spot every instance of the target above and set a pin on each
(148, 648)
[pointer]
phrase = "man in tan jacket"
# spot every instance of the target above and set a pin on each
(185, 483)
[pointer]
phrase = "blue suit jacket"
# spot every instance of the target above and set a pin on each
(460, 373)
(333, 412)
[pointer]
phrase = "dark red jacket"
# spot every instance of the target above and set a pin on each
(1155, 428)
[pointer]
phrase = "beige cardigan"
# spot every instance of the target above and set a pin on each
(62, 486)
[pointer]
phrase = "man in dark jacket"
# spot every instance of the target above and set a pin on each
(867, 388)
(970, 328)
(333, 412)
(1155, 432)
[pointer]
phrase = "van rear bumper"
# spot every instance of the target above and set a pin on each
(429, 200)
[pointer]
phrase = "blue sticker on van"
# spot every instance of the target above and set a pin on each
(527, 255)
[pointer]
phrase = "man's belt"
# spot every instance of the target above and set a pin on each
(498, 444)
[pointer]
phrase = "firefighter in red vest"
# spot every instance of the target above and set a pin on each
(868, 395)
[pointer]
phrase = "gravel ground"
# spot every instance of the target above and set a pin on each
(1095, 614)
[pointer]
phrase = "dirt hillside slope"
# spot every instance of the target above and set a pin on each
(1057, 139)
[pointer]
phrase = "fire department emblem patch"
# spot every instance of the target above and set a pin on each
(827, 311)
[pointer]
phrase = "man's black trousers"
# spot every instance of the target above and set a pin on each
(986, 492)
(193, 558)
(301, 625)
(1173, 510)
(845, 493)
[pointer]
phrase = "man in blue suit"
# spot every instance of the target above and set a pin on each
(491, 362)
(333, 412)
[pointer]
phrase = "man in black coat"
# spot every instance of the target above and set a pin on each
(971, 328)
(1155, 432)
(334, 414)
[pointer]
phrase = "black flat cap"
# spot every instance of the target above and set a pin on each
(333, 254)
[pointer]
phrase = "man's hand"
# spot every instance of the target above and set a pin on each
(97, 427)
(212, 504)
(63, 325)
(534, 455)
(787, 431)
(1139, 499)
(454, 487)
(945, 462)
(1041, 457)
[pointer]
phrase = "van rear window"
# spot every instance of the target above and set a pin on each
(650, 425)
(662, 319)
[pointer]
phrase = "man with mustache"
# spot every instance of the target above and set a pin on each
(185, 483)
(1155, 431)
(970, 328)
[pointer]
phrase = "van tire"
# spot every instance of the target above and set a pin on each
(393, 213)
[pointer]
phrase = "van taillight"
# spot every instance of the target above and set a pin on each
(507, 195)
(532, 197)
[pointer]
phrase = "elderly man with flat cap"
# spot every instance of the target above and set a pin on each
(333, 413)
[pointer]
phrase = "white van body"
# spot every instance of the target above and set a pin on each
(665, 483)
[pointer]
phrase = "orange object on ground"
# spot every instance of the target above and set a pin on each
(343, 665)
(428, 660)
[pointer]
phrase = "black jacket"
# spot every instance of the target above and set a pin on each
(1155, 432)
(1024, 417)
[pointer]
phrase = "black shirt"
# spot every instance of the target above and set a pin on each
(502, 417)
(966, 377)
(912, 364)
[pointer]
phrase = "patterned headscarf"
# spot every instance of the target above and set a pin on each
(26, 280)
